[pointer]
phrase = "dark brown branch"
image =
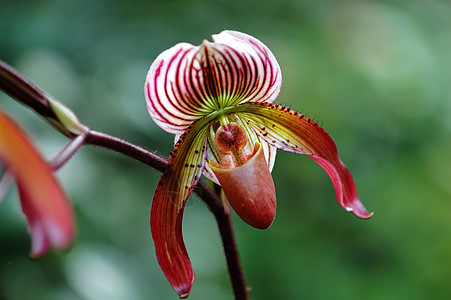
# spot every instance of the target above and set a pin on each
(232, 256)
(21, 89)
(123, 147)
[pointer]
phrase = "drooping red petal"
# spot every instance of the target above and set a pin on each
(186, 163)
(187, 82)
(48, 212)
(249, 189)
(293, 132)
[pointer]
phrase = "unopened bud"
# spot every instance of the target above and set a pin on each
(67, 118)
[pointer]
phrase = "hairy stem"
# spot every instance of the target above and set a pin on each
(25, 92)
(67, 152)
(232, 256)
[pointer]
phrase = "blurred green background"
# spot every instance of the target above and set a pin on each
(375, 74)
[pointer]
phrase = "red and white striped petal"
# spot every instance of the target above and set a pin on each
(290, 131)
(188, 82)
(256, 72)
(186, 163)
(171, 100)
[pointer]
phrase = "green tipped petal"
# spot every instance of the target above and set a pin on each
(290, 131)
(186, 163)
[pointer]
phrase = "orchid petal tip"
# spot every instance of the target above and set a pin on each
(183, 290)
(360, 212)
(369, 215)
(34, 256)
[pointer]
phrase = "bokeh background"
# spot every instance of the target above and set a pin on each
(375, 74)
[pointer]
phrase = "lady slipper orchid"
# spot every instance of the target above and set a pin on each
(49, 214)
(216, 98)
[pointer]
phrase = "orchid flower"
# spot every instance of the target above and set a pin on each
(48, 212)
(217, 99)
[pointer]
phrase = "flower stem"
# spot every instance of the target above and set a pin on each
(232, 256)
(20, 88)
(68, 151)
(123, 147)
(224, 222)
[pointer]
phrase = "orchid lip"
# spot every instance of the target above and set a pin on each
(249, 189)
